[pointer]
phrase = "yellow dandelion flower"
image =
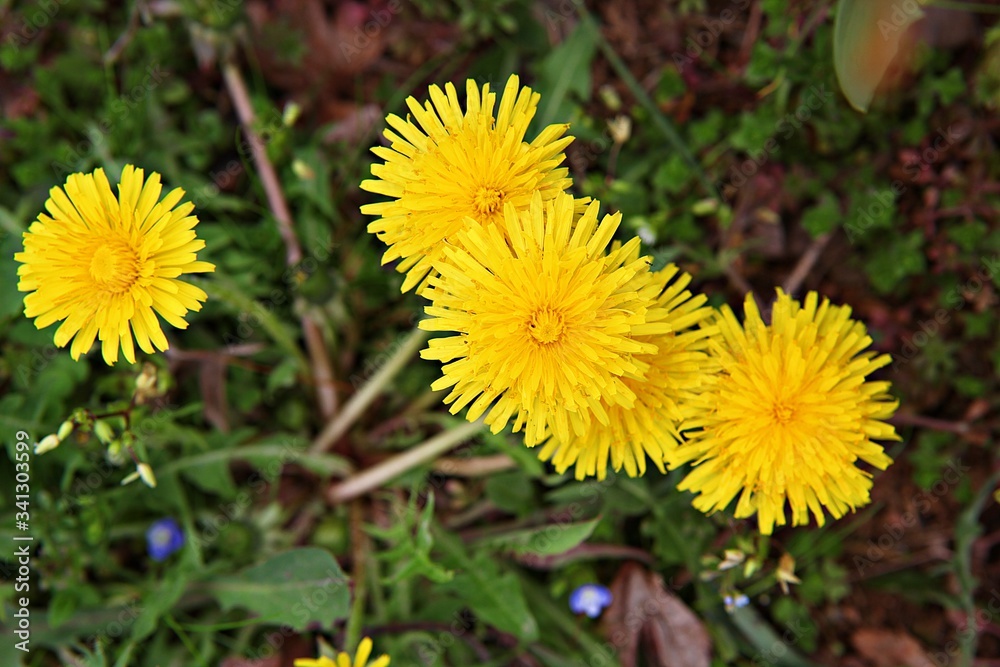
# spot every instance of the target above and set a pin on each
(344, 659)
(546, 322)
(788, 416)
(449, 167)
(102, 264)
(672, 374)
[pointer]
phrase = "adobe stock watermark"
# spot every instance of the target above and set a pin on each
(923, 502)
(120, 108)
(984, 618)
(638, 616)
(705, 38)
(301, 612)
(556, 14)
(865, 218)
(224, 177)
(256, 484)
(374, 364)
(903, 13)
(31, 25)
(85, 486)
(430, 652)
(775, 653)
(362, 36)
(955, 301)
(816, 97)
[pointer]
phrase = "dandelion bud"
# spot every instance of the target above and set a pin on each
(47, 444)
(65, 429)
(147, 475)
(103, 432)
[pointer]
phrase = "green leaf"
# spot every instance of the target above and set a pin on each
(253, 314)
(412, 542)
(495, 597)
(62, 606)
(511, 491)
(673, 175)
(566, 71)
(294, 588)
(287, 451)
(550, 540)
(157, 602)
(283, 375)
(763, 638)
(866, 36)
(890, 264)
(823, 217)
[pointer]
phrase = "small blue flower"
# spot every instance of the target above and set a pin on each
(732, 604)
(589, 599)
(164, 537)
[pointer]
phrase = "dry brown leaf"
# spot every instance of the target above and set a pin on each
(212, 382)
(885, 648)
(644, 610)
(334, 45)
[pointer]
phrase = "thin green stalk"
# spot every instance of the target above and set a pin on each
(179, 631)
(360, 401)
(659, 120)
(359, 550)
(967, 529)
(187, 517)
(125, 655)
(542, 603)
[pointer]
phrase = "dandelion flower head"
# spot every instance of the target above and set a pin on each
(546, 322)
(789, 415)
(672, 374)
(344, 659)
(447, 166)
(105, 266)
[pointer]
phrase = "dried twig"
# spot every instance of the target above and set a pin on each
(480, 466)
(806, 263)
(379, 474)
(326, 391)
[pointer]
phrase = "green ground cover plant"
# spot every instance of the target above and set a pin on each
(283, 483)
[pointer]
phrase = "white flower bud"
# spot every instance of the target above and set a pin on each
(47, 444)
(147, 475)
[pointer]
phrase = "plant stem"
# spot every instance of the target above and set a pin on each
(369, 392)
(379, 474)
(326, 391)
(659, 120)
(359, 548)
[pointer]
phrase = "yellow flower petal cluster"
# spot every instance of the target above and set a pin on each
(672, 375)
(546, 321)
(447, 166)
(599, 360)
(106, 266)
(344, 659)
(788, 416)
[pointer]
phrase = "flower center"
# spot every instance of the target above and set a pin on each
(546, 325)
(162, 537)
(114, 266)
(782, 413)
(488, 200)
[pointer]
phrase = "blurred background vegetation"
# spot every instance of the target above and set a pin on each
(716, 128)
